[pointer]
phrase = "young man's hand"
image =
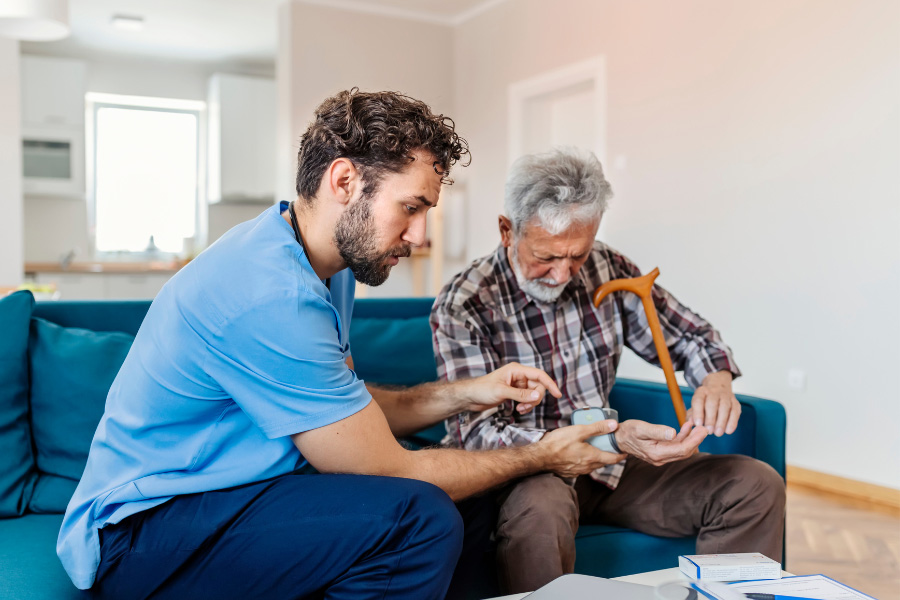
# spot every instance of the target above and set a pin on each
(659, 444)
(524, 385)
(568, 454)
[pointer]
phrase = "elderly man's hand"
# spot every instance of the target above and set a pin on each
(658, 444)
(714, 405)
(524, 385)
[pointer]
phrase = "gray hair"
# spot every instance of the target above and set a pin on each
(558, 188)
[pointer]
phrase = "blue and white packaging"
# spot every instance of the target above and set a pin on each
(729, 567)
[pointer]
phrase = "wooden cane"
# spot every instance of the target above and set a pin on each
(642, 286)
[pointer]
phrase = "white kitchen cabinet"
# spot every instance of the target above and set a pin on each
(242, 121)
(53, 126)
(135, 286)
(75, 286)
(53, 92)
(105, 286)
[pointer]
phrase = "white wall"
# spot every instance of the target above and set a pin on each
(11, 224)
(225, 215)
(762, 150)
(330, 50)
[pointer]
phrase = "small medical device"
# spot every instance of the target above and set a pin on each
(586, 416)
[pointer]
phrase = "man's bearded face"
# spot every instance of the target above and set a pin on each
(542, 289)
(356, 238)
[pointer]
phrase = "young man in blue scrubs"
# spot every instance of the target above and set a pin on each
(242, 369)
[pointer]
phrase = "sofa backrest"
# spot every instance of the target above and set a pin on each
(97, 315)
(390, 337)
(390, 341)
(16, 453)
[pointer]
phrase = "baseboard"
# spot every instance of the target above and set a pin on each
(841, 486)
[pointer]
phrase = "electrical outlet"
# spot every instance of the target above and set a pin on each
(796, 379)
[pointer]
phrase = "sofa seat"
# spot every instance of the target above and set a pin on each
(606, 551)
(29, 568)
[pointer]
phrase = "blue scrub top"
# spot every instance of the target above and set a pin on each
(242, 348)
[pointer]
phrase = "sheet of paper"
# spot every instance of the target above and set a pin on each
(819, 587)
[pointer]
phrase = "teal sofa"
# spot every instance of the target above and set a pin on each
(57, 360)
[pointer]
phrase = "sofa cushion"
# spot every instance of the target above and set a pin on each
(16, 459)
(29, 568)
(72, 370)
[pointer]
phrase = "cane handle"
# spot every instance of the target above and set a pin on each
(643, 287)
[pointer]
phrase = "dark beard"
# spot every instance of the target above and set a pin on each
(355, 238)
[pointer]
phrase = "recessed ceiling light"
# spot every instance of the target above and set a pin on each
(128, 22)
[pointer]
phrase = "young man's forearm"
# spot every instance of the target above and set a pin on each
(412, 409)
(461, 473)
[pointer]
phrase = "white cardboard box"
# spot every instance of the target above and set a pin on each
(729, 567)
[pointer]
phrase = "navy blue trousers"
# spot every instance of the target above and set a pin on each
(298, 536)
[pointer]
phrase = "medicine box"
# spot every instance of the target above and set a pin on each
(729, 567)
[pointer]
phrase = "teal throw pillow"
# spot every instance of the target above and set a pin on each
(71, 372)
(16, 460)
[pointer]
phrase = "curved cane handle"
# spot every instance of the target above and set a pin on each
(643, 286)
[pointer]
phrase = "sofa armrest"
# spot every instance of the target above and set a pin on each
(760, 433)
(771, 430)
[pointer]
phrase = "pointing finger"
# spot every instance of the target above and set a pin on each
(538, 376)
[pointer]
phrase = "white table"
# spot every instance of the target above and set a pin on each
(651, 578)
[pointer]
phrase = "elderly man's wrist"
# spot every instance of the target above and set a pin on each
(719, 379)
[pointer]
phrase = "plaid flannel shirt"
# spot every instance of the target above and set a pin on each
(482, 320)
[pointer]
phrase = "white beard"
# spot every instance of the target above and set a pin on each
(542, 289)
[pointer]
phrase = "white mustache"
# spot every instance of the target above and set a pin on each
(545, 281)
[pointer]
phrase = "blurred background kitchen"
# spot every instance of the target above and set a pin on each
(753, 147)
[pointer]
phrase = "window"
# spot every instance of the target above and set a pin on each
(145, 175)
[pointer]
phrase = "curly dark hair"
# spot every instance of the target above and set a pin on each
(377, 131)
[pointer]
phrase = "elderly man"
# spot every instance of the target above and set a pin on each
(530, 302)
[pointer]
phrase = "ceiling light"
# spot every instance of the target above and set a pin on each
(128, 22)
(34, 20)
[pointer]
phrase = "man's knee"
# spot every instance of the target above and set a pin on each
(540, 503)
(431, 517)
(755, 481)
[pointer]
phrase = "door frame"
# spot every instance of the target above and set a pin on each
(592, 70)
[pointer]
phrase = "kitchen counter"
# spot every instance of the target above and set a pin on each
(128, 268)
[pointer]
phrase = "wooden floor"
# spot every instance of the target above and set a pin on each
(856, 543)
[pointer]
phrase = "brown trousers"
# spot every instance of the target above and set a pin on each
(731, 503)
